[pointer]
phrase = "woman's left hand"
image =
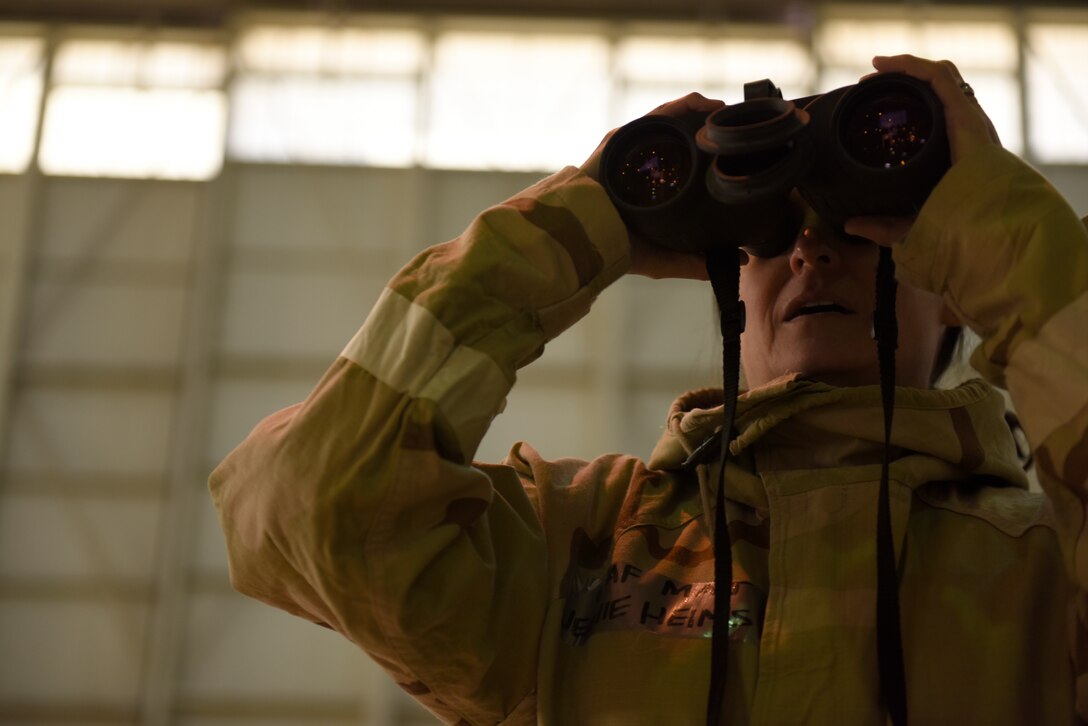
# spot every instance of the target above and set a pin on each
(968, 128)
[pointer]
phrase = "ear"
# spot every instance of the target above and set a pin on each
(949, 317)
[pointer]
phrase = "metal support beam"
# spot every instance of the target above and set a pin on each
(25, 232)
(186, 475)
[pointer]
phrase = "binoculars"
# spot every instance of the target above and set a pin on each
(698, 181)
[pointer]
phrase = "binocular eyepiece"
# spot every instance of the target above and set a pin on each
(694, 182)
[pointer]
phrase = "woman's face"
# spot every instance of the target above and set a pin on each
(809, 311)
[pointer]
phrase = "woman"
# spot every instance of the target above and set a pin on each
(580, 592)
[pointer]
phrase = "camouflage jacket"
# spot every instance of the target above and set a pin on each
(575, 592)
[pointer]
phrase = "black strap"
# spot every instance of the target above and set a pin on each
(723, 267)
(893, 683)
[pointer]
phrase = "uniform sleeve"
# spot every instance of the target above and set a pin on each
(1011, 257)
(359, 508)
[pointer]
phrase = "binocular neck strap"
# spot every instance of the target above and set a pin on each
(723, 268)
(893, 686)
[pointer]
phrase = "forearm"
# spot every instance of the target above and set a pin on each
(1011, 258)
(360, 509)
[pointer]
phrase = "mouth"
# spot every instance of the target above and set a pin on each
(817, 307)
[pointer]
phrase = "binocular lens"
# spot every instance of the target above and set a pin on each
(654, 171)
(887, 131)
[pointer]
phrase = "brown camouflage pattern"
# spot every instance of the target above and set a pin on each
(573, 592)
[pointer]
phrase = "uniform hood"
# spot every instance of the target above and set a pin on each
(793, 423)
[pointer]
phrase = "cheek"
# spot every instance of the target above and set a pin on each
(759, 288)
(757, 305)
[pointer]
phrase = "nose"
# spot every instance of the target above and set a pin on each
(814, 249)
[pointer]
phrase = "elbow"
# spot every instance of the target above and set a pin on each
(248, 492)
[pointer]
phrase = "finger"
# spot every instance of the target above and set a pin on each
(943, 76)
(884, 231)
(692, 102)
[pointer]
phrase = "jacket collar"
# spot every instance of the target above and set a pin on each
(792, 423)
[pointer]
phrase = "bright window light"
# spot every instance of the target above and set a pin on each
(517, 101)
(135, 109)
(20, 96)
(323, 120)
(660, 60)
(330, 50)
(128, 132)
(977, 45)
(130, 63)
(786, 62)
(109, 62)
(855, 42)
(329, 96)
(999, 94)
(480, 98)
(1057, 92)
(184, 65)
(655, 70)
(974, 45)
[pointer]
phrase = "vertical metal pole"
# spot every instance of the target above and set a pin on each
(186, 475)
(186, 478)
(18, 273)
(1023, 47)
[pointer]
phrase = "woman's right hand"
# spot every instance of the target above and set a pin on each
(648, 259)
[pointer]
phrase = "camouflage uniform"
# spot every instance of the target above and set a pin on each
(574, 592)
